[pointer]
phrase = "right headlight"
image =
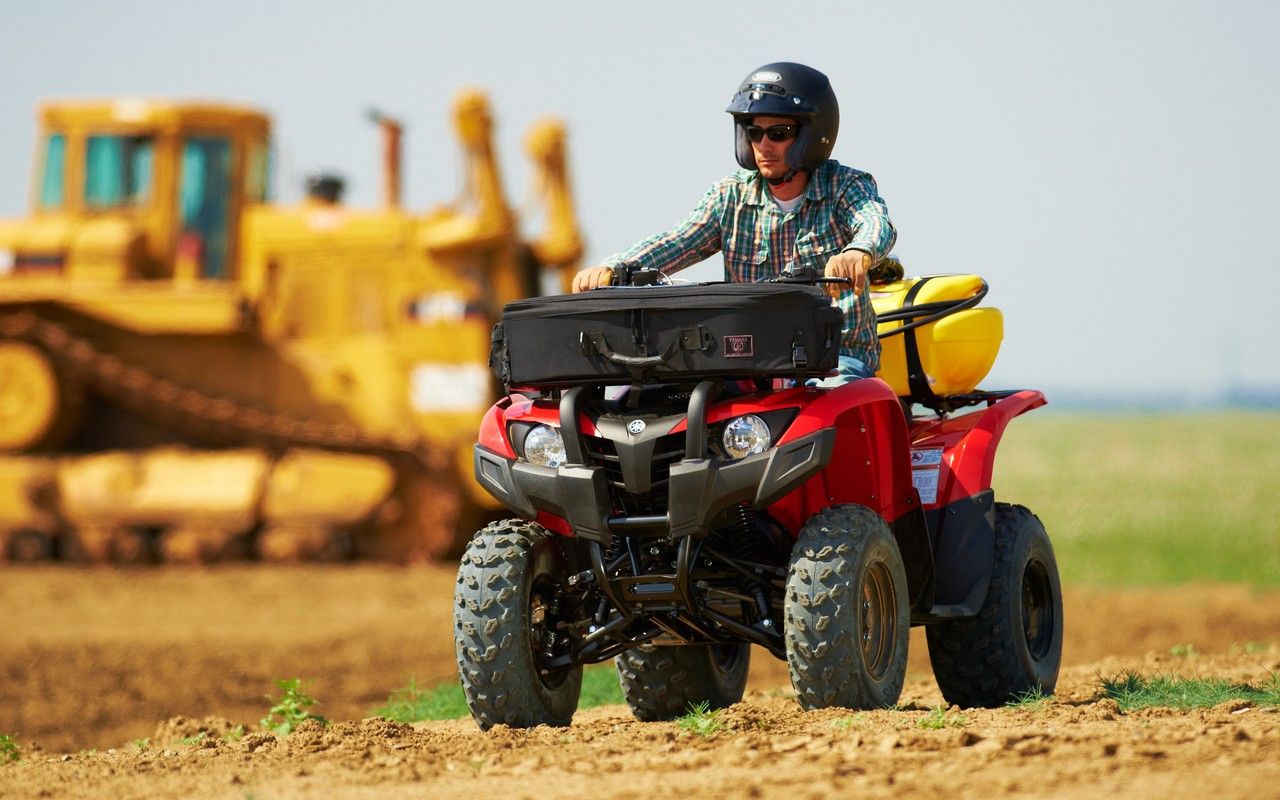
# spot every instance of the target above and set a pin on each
(544, 447)
(745, 436)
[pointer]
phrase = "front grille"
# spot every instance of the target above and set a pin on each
(667, 450)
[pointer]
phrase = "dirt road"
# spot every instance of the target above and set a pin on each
(91, 660)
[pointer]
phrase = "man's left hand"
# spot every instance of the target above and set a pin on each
(851, 264)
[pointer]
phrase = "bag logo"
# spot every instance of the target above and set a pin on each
(739, 346)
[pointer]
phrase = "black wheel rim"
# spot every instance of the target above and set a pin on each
(1037, 610)
(879, 620)
(724, 657)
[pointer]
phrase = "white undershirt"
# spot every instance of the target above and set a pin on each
(787, 206)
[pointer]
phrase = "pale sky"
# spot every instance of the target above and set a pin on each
(1111, 168)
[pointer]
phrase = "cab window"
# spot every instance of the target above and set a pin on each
(55, 166)
(203, 200)
(117, 171)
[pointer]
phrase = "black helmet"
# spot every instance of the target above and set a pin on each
(784, 89)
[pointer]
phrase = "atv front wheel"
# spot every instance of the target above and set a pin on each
(664, 682)
(506, 607)
(847, 619)
(1014, 644)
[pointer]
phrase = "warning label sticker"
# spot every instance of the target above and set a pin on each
(927, 457)
(926, 463)
(926, 483)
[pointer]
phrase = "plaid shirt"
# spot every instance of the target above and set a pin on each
(840, 210)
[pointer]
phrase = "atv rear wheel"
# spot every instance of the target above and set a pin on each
(1014, 644)
(847, 618)
(505, 613)
(664, 682)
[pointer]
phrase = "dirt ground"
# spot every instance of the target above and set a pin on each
(94, 659)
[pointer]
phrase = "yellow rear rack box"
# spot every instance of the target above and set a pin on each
(956, 352)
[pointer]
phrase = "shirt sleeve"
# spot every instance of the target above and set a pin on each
(866, 216)
(694, 239)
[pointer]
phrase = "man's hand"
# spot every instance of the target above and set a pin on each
(592, 278)
(851, 264)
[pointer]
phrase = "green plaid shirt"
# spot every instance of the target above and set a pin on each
(841, 210)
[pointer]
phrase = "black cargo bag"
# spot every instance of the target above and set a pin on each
(656, 334)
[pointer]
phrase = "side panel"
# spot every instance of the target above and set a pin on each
(870, 465)
(953, 460)
(968, 449)
(964, 553)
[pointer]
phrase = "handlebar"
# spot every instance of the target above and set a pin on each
(632, 275)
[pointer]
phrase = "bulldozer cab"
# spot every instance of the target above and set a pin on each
(161, 184)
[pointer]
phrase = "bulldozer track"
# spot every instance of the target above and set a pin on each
(195, 412)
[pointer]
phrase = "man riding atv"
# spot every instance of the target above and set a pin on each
(790, 206)
(682, 490)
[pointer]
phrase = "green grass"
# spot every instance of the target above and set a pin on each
(1140, 500)
(939, 718)
(9, 749)
(845, 723)
(701, 720)
(446, 701)
(1132, 691)
(1031, 700)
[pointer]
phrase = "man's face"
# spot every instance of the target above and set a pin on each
(771, 155)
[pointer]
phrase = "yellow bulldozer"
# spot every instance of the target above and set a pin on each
(189, 372)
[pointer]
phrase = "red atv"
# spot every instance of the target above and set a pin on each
(681, 494)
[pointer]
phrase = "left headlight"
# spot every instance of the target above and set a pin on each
(746, 436)
(544, 447)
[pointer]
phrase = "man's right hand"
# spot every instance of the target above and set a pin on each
(592, 278)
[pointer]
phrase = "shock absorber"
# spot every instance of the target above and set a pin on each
(745, 533)
(748, 545)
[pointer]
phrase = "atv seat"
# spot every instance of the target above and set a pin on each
(946, 346)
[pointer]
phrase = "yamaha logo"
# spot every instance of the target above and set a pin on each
(635, 427)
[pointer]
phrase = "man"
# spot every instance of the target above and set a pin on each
(790, 206)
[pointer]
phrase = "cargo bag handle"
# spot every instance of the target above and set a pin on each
(691, 338)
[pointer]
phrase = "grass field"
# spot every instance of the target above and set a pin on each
(1132, 500)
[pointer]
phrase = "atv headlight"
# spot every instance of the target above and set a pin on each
(746, 436)
(544, 447)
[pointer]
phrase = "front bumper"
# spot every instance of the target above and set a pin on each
(699, 489)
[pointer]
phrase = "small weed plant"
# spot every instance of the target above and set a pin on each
(141, 744)
(10, 752)
(234, 735)
(939, 718)
(1033, 699)
(290, 710)
(188, 741)
(701, 720)
(845, 723)
(1132, 691)
(1182, 651)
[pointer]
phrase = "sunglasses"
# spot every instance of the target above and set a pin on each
(776, 133)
